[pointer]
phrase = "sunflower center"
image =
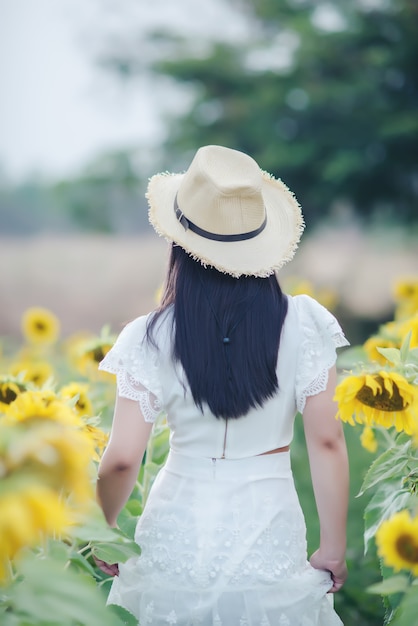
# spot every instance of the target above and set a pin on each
(7, 395)
(98, 354)
(407, 549)
(409, 291)
(40, 326)
(382, 401)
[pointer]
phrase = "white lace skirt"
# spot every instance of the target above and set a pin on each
(223, 544)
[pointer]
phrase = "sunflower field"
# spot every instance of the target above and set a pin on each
(379, 393)
(55, 415)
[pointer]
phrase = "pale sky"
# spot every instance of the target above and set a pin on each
(57, 111)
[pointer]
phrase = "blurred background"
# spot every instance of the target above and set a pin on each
(97, 95)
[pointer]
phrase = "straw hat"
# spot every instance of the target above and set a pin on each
(226, 212)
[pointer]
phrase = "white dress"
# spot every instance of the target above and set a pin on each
(223, 540)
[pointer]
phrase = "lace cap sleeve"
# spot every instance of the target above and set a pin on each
(135, 364)
(321, 335)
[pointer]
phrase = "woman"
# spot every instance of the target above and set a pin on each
(231, 360)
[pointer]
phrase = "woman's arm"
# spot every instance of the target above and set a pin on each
(328, 462)
(119, 467)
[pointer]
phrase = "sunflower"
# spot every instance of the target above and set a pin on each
(396, 331)
(397, 542)
(97, 353)
(99, 439)
(368, 440)
(46, 474)
(10, 388)
(89, 356)
(40, 326)
(83, 407)
(53, 452)
(26, 513)
(36, 372)
(32, 406)
(67, 461)
(78, 393)
(73, 346)
(384, 398)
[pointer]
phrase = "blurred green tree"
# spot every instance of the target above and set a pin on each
(107, 197)
(323, 95)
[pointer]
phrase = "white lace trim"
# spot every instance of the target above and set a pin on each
(321, 335)
(135, 365)
(129, 388)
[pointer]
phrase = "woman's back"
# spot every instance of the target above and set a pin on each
(307, 350)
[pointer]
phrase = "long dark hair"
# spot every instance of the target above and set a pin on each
(226, 333)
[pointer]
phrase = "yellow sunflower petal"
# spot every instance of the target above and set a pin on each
(375, 386)
(368, 440)
(385, 398)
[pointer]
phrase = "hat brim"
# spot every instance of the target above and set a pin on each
(259, 256)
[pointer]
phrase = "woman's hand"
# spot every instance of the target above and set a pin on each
(337, 569)
(111, 569)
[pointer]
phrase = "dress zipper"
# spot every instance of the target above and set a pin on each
(223, 451)
(224, 446)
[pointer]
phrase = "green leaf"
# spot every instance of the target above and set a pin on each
(389, 465)
(125, 617)
(395, 584)
(406, 614)
(391, 354)
(160, 446)
(80, 563)
(48, 593)
(151, 470)
(115, 552)
(149, 473)
(387, 500)
(127, 521)
(393, 600)
(413, 355)
(351, 357)
(404, 351)
(58, 550)
(402, 438)
(94, 528)
(8, 619)
(134, 507)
